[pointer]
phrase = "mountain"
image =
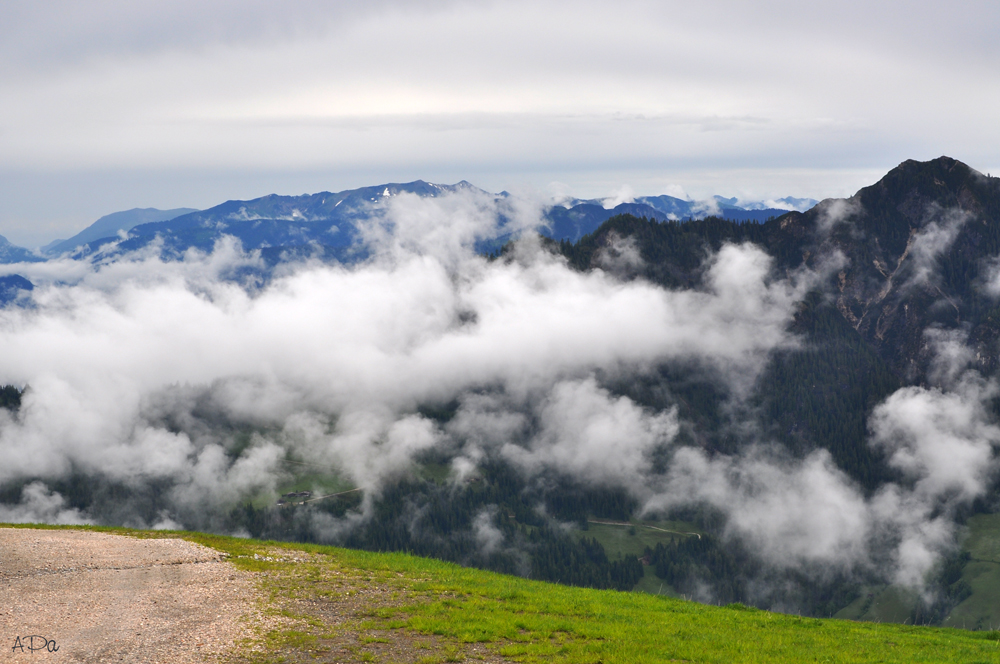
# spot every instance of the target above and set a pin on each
(326, 222)
(787, 203)
(583, 217)
(909, 301)
(921, 245)
(571, 222)
(109, 226)
(280, 225)
(12, 287)
(918, 245)
(11, 253)
(915, 279)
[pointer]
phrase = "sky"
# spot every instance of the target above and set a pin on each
(106, 106)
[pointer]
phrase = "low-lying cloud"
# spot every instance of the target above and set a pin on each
(111, 351)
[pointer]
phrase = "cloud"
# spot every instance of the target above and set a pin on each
(807, 514)
(488, 537)
(928, 244)
(624, 194)
(321, 92)
(621, 256)
(793, 512)
(950, 355)
(588, 434)
(144, 371)
(834, 211)
(171, 374)
(446, 227)
(40, 505)
(942, 441)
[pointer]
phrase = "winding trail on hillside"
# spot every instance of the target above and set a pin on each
(99, 597)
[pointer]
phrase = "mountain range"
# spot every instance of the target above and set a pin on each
(327, 222)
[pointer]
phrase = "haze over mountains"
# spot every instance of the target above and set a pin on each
(814, 394)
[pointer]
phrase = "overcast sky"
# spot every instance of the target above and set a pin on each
(106, 106)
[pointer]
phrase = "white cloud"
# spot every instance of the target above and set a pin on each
(808, 514)
(950, 355)
(624, 194)
(488, 536)
(620, 256)
(40, 505)
(942, 440)
(588, 434)
(930, 242)
(792, 512)
(138, 367)
(832, 212)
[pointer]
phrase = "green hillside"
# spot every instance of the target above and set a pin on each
(971, 578)
(967, 587)
(345, 605)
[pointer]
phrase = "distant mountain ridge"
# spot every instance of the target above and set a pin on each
(583, 218)
(325, 224)
(110, 224)
(11, 253)
(281, 226)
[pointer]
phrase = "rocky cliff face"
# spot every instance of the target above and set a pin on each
(920, 248)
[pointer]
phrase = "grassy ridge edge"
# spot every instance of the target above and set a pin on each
(364, 606)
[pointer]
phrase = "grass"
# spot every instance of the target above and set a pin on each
(631, 540)
(619, 541)
(983, 541)
(652, 584)
(980, 610)
(889, 604)
(343, 605)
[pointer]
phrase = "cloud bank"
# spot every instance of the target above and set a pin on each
(339, 358)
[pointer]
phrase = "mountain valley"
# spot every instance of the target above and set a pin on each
(796, 410)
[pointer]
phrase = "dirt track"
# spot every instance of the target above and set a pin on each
(110, 598)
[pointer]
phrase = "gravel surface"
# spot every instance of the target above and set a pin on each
(111, 598)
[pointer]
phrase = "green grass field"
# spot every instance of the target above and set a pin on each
(982, 609)
(632, 540)
(343, 605)
(881, 604)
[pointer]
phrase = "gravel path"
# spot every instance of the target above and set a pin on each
(111, 598)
